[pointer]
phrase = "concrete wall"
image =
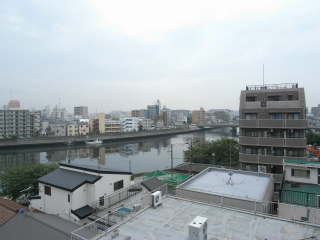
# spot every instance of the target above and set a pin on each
(104, 137)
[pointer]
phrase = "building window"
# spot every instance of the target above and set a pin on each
(251, 167)
(274, 98)
(293, 153)
(254, 151)
(254, 134)
(118, 185)
(290, 97)
(47, 190)
(276, 169)
(275, 115)
(276, 134)
(251, 116)
(293, 115)
(300, 173)
(68, 197)
(251, 99)
(294, 135)
(276, 187)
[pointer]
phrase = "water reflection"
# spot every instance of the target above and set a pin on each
(136, 156)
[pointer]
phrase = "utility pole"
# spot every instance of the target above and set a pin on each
(190, 156)
(171, 158)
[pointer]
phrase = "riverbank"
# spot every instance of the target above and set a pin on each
(38, 141)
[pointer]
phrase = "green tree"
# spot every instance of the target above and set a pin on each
(312, 137)
(13, 180)
(202, 152)
(140, 128)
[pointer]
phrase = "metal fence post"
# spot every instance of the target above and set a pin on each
(222, 200)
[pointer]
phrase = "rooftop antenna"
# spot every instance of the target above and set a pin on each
(230, 172)
(263, 74)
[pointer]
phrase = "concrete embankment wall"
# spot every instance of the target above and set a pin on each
(105, 137)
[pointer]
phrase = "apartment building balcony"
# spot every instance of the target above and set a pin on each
(273, 141)
(273, 123)
(266, 159)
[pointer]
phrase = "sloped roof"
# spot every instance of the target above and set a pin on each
(153, 184)
(8, 209)
(67, 179)
(83, 212)
(94, 169)
(37, 226)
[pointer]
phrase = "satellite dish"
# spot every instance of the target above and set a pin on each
(230, 173)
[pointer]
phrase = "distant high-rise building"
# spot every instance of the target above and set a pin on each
(153, 110)
(81, 111)
(14, 104)
(316, 111)
(59, 113)
(46, 111)
(168, 111)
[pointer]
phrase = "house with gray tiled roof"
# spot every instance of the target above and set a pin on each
(70, 190)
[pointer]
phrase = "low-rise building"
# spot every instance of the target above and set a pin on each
(83, 128)
(69, 190)
(55, 129)
(129, 124)
(72, 129)
(146, 123)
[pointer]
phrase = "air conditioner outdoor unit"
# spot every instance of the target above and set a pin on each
(156, 199)
(198, 229)
(270, 130)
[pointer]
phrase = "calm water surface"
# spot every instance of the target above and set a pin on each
(135, 156)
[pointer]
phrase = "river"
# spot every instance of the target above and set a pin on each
(136, 156)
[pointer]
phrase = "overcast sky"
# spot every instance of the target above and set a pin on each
(123, 55)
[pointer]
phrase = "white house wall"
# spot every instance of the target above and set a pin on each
(79, 197)
(104, 187)
(313, 175)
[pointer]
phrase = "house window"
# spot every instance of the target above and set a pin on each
(118, 185)
(68, 197)
(300, 173)
(101, 201)
(275, 115)
(47, 190)
(293, 115)
(251, 116)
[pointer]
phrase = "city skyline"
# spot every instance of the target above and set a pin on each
(125, 55)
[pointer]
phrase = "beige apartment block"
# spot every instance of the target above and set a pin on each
(198, 116)
(83, 128)
(72, 129)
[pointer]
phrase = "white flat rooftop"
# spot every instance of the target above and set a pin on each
(246, 185)
(170, 221)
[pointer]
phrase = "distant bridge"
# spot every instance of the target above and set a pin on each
(232, 125)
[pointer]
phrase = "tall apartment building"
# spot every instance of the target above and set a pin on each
(81, 111)
(168, 111)
(272, 123)
(135, 113)
(162, 117)
(18, 122)
(198, 116)
(316, 111)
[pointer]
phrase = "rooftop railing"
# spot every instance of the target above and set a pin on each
(272, 86)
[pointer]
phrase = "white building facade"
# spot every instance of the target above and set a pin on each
(70, 190)
(129, 124)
